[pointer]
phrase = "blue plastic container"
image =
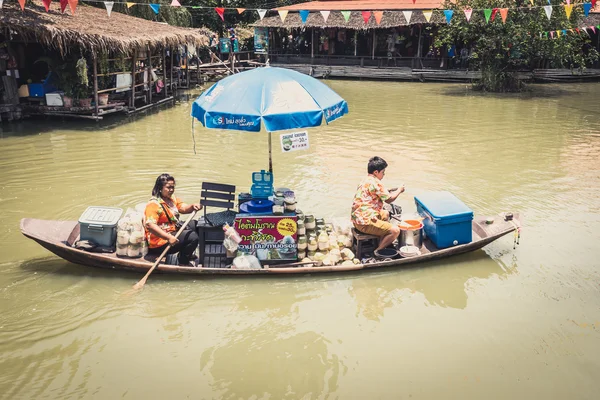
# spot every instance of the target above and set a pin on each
(262, 185)
(447, 220)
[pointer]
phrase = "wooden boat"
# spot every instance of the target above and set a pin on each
(59, 236)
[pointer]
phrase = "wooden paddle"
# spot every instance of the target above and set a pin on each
(142, 281)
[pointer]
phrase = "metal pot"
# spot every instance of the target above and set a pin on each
(411, 237)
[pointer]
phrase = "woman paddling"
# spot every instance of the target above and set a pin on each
(162, 221)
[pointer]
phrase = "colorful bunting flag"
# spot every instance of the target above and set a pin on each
(494, 12)
(220, 11)
(22, 3)
(548, 10)
(282, 14)
(65, 3)
(325, 15)
(427, 14)
(568, 2)
(594, 3)
(366, 15)
(448, 14)
(586, 8)
(407, 16)
(155, 7)
(564, 31)
(468, 13)
(175, 3)
(487, 12)
(557, 34)
(378, 15)
(552, 34)
(240, 10)
(46, 4)
(346, 15)
(129, 5)
(531, 1)
(504, 14)
(261, 13)
(568, 10)
(109, 6)
(72, 5)
(593, 28)
(304, 15)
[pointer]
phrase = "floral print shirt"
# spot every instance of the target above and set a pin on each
(368, 201)
(155, 213)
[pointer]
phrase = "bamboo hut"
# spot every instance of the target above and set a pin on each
(129, 63)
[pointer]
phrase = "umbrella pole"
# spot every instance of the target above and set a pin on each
(270, 157)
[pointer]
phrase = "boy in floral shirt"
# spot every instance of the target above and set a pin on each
(368, 215)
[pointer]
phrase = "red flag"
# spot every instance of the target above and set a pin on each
(73, 5)
(220, 11)
(366, 15)
(593, 4)
(47, 4)
(494, 11)
(22, 3)
(63, 5)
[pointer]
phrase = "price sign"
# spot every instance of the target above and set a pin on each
(294, 141)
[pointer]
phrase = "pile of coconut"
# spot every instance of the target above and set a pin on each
(331, 246)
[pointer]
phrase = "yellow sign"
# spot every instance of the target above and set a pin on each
(286, 227)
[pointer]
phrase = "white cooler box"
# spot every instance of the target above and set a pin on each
(100, 225)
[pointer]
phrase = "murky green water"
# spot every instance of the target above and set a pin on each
(497, 323)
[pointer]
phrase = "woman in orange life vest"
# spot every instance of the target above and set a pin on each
(162, 221)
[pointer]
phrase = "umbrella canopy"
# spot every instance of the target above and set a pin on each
(279, 98)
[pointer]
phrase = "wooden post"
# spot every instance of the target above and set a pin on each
(355, 42)
(171, 72)
(133, 75)
(187, 68)
(164, 68)
(373, 46)
(149, 74)
(312, 43)
(95, 71)
(419, 50)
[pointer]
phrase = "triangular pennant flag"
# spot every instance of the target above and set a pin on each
(175, 3)
(594, 3)
(548, 10)
(282, 14)
(129, 5)
(304, 15)
(568, 10)
(568, 2)
(531, 1)
(109, 6)
(366, 15)
(346, 15)
(487, 12)
(468, 12)
(261, 13)
(22, 3)
(494, 12)
(557, 33)
(577, 29)
(325, 15)
(586, 8)
(47, 4)
(65, 3)
(448, 14)
(552, 34)
(504, 14)
(72, 5)
(155, 7)
(571, 30)
(407, 16)
(564, 31)
(427, 14)
(546, 34)
(378, 15)
(220, 11)
(593, 28)
(240, 10)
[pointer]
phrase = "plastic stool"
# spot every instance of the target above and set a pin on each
(359, 239)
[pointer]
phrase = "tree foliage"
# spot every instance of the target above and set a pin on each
(500, 49)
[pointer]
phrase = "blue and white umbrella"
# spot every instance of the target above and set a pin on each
(276, 98)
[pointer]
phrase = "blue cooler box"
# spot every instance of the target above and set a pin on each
(100, 225)
(447, 219)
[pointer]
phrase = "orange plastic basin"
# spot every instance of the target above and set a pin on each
(410, 225)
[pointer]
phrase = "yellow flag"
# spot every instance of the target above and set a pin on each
(427, 14)
(557, 33)
(568, 10)
(129, 5)
(531, 1)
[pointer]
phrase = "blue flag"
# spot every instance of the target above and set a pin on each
(586, 8)
(155, 7)
(448, 14)
(304, 15)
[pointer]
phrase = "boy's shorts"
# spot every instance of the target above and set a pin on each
(377, 228)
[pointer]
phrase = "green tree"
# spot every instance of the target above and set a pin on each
(500, 49)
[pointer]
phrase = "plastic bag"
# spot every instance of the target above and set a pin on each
(232, 238)
(246, 261)
(131, 236)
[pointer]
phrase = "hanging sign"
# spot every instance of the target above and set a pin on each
(294, 141)
(261, 40)
(270, 237)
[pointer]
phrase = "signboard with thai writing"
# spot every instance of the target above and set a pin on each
(294, 141)
(268, 237)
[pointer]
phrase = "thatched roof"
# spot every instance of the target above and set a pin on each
(390, 19)
(91, 28)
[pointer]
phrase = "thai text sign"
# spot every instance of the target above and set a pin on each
(294, 141)
(270, 237)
